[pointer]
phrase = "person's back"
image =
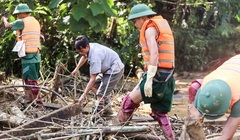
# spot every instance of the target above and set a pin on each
(218, 94)
(110, 60)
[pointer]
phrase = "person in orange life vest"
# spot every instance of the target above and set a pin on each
(28, 29)
(157, 85)
(217, 94)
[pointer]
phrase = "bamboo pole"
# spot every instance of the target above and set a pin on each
(70, 133)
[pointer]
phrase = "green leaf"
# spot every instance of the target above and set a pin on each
(44, 8)
(107, 6)
(78, 11)
(54, 3)
(63, 8)
(238, 18)
(92, 20)
(80, 25)
(30, 3)
(97, 28)
(102, 21)
(63, 23)
(96, 8)
(41, 12)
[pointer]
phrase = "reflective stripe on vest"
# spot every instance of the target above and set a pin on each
(31, 34)
(165, 42)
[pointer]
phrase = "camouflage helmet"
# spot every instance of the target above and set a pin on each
(140, 10)
(22, 8)
(213, 99)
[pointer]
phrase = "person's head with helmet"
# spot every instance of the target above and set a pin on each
(139, 14)
(213, 99)
(22, 10)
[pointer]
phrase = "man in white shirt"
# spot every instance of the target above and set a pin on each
(102, 60)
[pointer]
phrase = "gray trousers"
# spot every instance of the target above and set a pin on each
(105, 83)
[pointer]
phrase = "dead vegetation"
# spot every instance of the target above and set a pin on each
(63, 118)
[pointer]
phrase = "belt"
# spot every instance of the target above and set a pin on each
(165, 70)
(169, 71)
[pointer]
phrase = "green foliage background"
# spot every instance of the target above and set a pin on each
(204, 30)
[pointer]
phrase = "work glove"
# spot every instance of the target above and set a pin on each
(148, 84)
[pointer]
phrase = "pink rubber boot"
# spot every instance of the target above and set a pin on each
(195, 85)
(35, 92)
(127, 109)
(165, 124)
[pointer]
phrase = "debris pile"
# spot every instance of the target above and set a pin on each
(64, 118)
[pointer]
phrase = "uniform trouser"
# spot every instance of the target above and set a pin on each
(30, 76)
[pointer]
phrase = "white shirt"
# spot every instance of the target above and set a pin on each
(103, 60)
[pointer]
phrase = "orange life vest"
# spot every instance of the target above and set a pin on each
(165, 42)
(229, 72)
(31, 35)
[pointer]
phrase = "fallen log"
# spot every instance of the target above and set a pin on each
(214, 122)
(145, 120)
(62, 113)
(91, 131)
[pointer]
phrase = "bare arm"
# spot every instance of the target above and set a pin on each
(82, 60)
(89, 86)
(6, 23)
(150, 35)
(230, 128)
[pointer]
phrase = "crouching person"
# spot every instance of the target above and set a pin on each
(216, 95)
(106, 69)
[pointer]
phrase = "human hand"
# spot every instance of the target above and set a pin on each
(4, 18)
(148, 84)
(82, 98)
(148, 88)
(74, 72)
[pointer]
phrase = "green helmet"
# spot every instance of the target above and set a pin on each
(22, 8)
(213, 99)
(140, 10)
